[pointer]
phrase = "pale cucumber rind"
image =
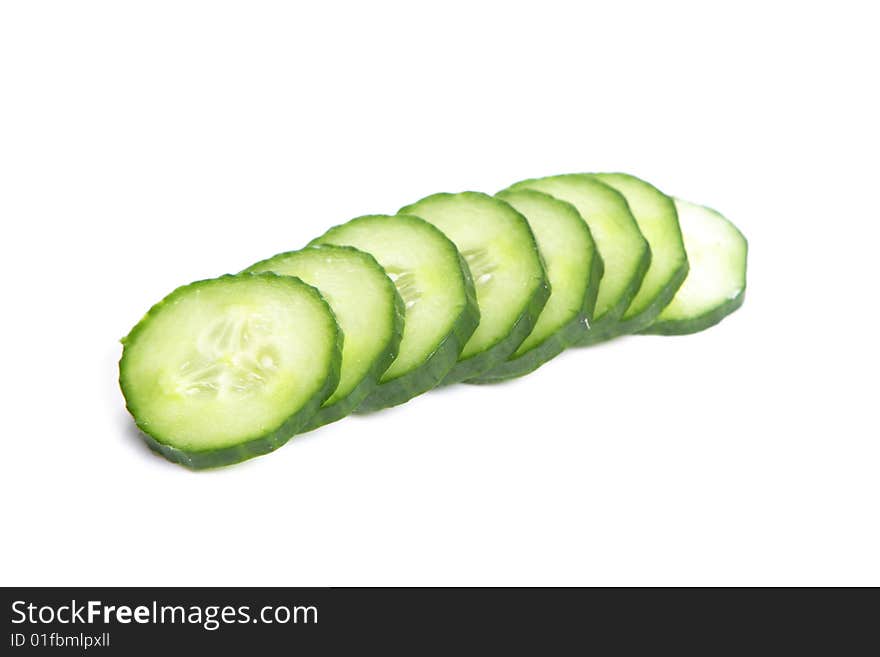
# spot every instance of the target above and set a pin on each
(574, 269)
(511, 285)
(657, 218)
(625, 253)
(142, 385)
(716, 283)
(369, 311)
(441, 309)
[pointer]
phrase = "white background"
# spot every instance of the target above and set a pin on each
(145, 145)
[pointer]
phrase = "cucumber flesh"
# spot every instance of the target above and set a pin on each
(368, 309)
(227, 369)
(502, 256)
(441, 311)
(658, 221)
(716, 283)
(574, 269)
(624, 251)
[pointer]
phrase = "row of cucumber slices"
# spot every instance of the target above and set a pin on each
(456, 287)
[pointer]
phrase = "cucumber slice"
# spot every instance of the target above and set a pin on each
(657, 219)
(502, 256)
(367, 307)
(441, 308)
(227, 369)
(716, 283)
(624, 251)
(574, 269)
